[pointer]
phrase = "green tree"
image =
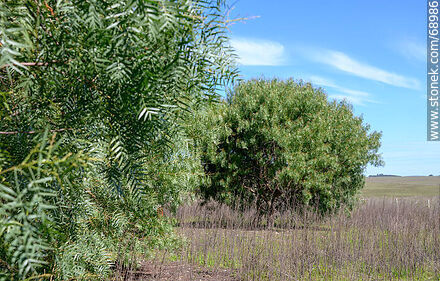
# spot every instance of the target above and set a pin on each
(114, 80)
(281, 143)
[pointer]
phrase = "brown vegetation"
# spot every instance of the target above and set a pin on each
(383, 239)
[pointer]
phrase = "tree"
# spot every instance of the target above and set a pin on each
(281, 143)
(111, 81)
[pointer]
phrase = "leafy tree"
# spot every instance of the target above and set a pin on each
(115, 79)
(281, 143)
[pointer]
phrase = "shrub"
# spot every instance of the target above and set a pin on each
(114, 79)
(281, 143)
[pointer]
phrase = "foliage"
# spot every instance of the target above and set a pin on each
(281, 143)
(29, 192)
(115, 79)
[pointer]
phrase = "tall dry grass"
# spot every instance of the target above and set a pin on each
(382, 239)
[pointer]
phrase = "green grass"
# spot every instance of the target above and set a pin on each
(401, 186)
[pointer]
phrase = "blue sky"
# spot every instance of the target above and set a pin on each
(372, 53)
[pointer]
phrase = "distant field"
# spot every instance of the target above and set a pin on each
(401, 186)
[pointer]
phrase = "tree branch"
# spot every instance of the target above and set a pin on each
(31, 64)
(33, 132)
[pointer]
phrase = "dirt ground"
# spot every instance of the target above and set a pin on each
(176, 271)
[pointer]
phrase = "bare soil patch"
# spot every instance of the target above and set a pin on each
(176, 271)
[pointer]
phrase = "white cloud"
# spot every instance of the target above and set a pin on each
(352, 96)
(412, 49)
(347, 64)
(322, 81)
(258, 52)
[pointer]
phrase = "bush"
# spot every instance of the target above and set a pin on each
(110, 81)
(281, 143)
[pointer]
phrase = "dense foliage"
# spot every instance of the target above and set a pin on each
(92, 95)
(281, 144)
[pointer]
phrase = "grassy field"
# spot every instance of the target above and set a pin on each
(382, 239)
(401, 186)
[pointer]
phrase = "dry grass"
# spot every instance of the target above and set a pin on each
(383, 239)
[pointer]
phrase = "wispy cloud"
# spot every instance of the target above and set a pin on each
(258, 52)
(412, 49)
(347, 64)
(341, 93)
